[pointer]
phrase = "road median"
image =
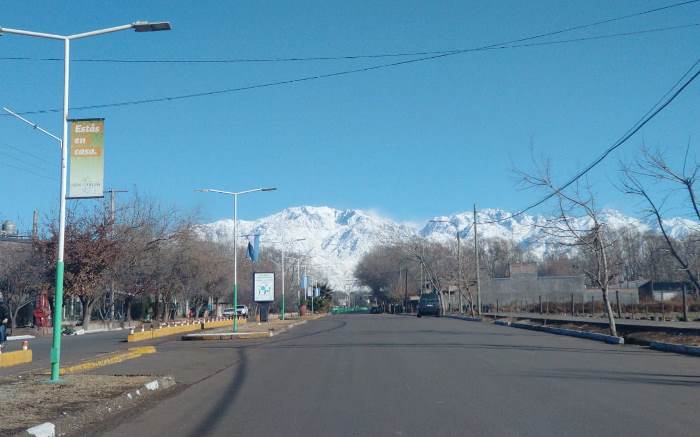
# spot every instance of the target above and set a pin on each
(175, 328)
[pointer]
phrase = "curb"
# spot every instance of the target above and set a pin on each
(108, 360)
(677, 348)
(49, 429)
(570, 332)
(20, 337)
(226, 336)
(467, 318)
(239, 335)
(15, 358)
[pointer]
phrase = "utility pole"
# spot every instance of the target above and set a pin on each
(685, 303)
(459, 272)
(476, 256)
(112, 219)
(35, 225)
(405, 292)
(299, 285)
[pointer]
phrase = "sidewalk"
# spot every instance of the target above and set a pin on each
(621, 323)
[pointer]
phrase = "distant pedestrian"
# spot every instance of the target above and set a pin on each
(4, 315)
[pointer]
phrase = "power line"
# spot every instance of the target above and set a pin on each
(23, 161)
(646, 118)
(370, 56)
(498, 46)
(24, 152)
(28, 171)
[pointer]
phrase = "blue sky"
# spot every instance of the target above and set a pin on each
(410, 142)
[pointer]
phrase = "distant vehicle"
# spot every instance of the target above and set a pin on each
(242, 310)
(375, 310)
(228, 312)
(429, 305)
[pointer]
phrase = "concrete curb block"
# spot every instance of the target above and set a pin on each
(108, 359)
(15, 358)
(239, 335)
(677, 348)
(226, 336)
(502, 322)
(64, 425)
(20, 337)
(46, 429)
(467, 318)
(571, 333)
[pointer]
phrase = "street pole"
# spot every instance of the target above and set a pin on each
(235, 262)
(299, 285)
(139, 26)
(282, 315)
(459, 272)
(476, 256)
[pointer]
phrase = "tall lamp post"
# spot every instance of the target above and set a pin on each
(138, 26)
(235, 195)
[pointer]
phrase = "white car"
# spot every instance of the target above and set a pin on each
(242, 310)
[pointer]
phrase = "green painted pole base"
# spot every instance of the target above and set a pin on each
(57, 319)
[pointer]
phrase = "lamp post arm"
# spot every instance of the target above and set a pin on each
(101, 31)
(34, 125)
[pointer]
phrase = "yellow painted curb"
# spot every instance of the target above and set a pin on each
(179, 329)
(114, 358)
(9, 359)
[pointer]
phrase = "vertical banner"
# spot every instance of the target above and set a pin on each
(87, 158)
(264, 287)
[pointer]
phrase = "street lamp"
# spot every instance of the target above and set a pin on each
(235, 195)
(139, 26)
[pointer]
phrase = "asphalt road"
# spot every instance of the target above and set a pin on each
(74, 348)
(377, 375)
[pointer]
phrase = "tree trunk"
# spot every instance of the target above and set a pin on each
(87, 312)
(609, 312)
(13, 319)
(127, 312)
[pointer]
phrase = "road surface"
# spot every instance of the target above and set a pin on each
(74, 348)
(384, 375)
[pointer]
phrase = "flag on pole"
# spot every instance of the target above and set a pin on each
(304, 282)
(254, 248)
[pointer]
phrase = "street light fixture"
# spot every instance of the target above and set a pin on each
(139, 26)
(235, 195)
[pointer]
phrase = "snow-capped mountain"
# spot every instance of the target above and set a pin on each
(335, 240)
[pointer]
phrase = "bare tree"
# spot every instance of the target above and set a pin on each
(588, 234)
(654, 167)
(20, 278)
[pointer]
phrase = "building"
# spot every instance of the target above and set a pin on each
(524, 284)
(656, 291)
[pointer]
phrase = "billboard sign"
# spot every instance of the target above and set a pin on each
(264, 287)
(87, 158)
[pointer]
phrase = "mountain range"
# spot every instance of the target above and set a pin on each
(335, 240)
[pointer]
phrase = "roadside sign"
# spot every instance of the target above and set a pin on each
(264, 287)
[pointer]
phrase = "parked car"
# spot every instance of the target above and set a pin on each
(228, 312)
(429, 305)
(375, 310)
(242, 311)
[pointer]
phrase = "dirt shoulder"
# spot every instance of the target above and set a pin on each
(28, 400)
